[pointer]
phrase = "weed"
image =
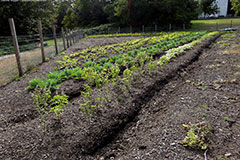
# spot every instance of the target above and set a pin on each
(204, 106)
(119, 99)
(196, 135)
(58, 103)
(226, 118)
(41, 97)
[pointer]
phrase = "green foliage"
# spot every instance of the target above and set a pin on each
(226, 118)
(87, 107)
(26, 15)
(58, 103)
(204, 106)
(41, 97)
(208, 7)
(67, 62)
(196, 135)
(236, 6)
(43, 83)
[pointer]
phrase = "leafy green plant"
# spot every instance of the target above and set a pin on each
(204, 106)
(58, 103)
(87, 107)
(196, 135)
(226, 118)
(152, 66)
(67, 62)
(41, 97)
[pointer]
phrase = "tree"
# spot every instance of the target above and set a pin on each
(208, 7)
(70, 20)
(62, 8)
(25, 15)
(236, 6)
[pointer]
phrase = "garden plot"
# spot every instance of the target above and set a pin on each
(109, 97)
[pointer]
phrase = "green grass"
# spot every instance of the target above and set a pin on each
(213, 24)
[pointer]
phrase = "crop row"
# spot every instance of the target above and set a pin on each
(125, 35)
(105, 63)
(106, 74)
(105, 51)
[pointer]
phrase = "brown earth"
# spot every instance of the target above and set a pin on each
(145, 124)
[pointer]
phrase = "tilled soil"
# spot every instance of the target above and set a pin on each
(145, 124)
(213, 80)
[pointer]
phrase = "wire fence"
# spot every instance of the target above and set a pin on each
(30, 45)
(31, 51)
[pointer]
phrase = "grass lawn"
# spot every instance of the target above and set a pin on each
(213, 24)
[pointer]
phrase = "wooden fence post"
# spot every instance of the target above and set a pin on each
(130, 29)
(170, 27)
(69, 37)
(184, 27)
(16, 47)
(66, 33)
(119, 30)
(55, 39)
(63, 37)
(216, 26)
(231, 24)
(73, 36)
(143, 28)
(155, 27)
(41, 40)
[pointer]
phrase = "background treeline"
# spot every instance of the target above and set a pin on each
(89, 13)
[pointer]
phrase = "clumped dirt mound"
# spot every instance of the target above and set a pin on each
(145, 124)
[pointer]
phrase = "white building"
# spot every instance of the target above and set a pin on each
(223, 7)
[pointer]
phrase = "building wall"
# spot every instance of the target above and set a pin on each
(223, 7)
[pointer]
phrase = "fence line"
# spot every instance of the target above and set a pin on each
(66, 38)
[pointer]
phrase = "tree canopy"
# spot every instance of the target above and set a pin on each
(86, 13)
(236, 6)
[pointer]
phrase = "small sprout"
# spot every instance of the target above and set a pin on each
(202, 87)
(204, 106)
(188, 81)
(204, 115)
(196, 135)
(118, 99)
(226, 118)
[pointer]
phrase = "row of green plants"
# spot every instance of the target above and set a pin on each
(105, 63)
(105, 51)
(105, 76)
(125, 34)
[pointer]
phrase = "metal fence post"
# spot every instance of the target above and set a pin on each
(16, 47)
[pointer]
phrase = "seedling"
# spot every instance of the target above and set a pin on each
(41, 97)
(204, 106)
(226, 118)
(204, 115)
(196, 135)
(58, 103)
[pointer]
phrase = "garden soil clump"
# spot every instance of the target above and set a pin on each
(146, 123)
